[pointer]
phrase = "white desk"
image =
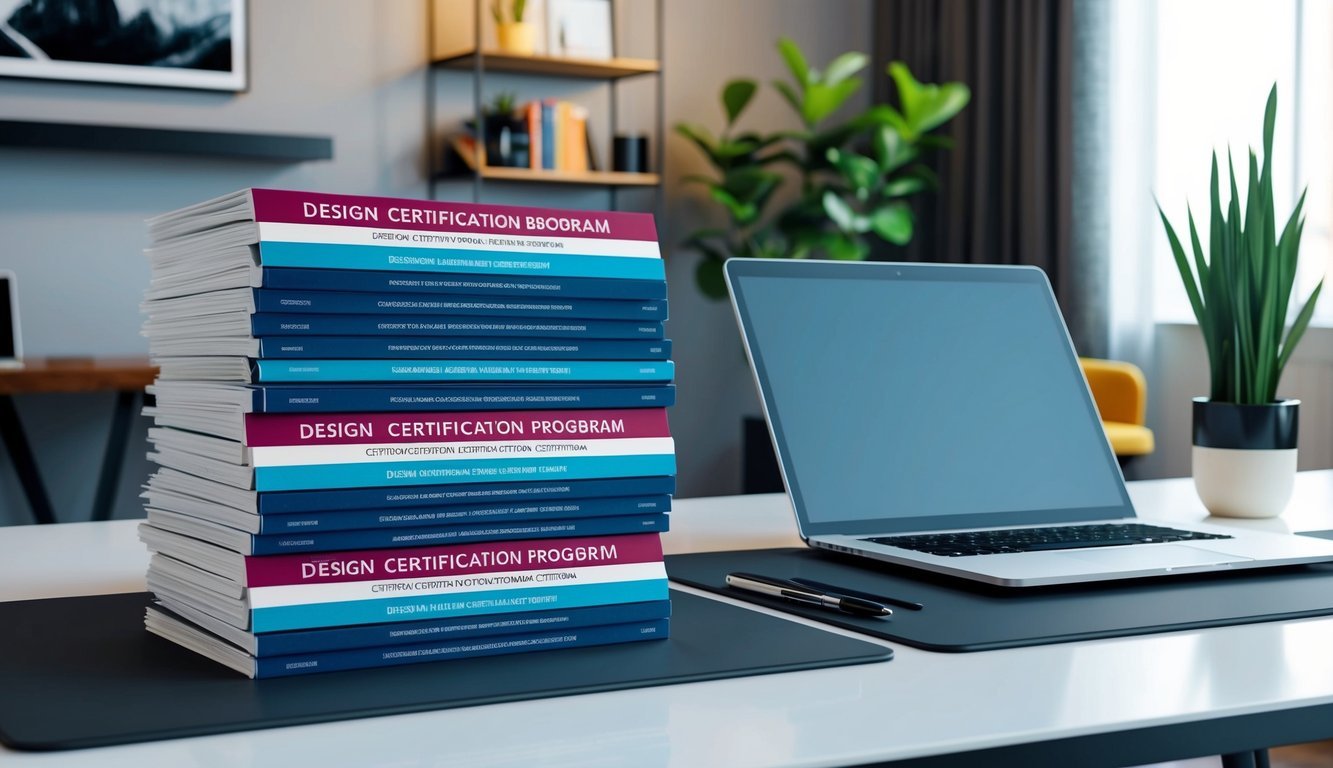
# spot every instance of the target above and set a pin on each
(1176, 695)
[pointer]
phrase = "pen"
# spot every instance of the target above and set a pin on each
(789, 590)
(812, 584)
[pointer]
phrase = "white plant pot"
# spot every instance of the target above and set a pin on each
(1245, 457)
(1244, 483)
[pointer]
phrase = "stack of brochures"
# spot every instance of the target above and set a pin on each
(391, 431)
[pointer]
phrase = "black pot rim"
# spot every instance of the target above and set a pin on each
(1252, 427)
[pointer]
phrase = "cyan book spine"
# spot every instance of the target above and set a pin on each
(286, 324)
(341, 302)
(464, 628)
(305, 523)
(395, 398)
(404, 473)
(280, 371)
(393, 609)
(300, 279)
(386, 500)
(425, 348)
(574, 637)
(390, 538)
(468, 261)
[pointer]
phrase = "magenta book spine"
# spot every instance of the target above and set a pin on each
(455, 560)
(290, 429)
(295, 207)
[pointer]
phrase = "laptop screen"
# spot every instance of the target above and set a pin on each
(913, 397)
(8, 342)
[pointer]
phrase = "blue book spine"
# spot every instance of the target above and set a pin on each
(393, 609)
(306, 523)
(273, 253)
(282, 324)
(336, 302)
(436, 496)
(548, 136)
(280, 371)
(390, 538)
(364, 658)
(335, 399)
(392, 473)
(426, 348)
(487, 285)
(462, 628)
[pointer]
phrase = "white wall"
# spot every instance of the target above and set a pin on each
(1181, 365)
(353, 69)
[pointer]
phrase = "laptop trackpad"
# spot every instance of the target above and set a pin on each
(1158, 556)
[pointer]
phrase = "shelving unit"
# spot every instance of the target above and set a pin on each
(611, 71)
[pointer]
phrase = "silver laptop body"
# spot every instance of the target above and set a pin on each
(945, 403)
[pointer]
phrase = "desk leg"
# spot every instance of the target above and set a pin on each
(1255, 759)
(11, 429)
(114, 457)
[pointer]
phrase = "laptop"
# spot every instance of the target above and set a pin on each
(11, 347)
(935, 416)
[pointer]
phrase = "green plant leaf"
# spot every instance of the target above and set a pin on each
(708, 276)
(795, 60)
(926, 106)
(519, 8)
(1183, 266)
(1298, 327)
(822, 100)
(844, 67)
(843, 247)
(904, 186)
(839, 211)
(790, 96)
(742, 212)
(497, 13)
(891, 150)
(893, 222)
(702, 139)
(860, 172)
(736, 96)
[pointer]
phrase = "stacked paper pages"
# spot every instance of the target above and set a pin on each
(391, 431)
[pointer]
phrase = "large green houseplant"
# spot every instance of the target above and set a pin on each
(854, 176)
(1244, 436)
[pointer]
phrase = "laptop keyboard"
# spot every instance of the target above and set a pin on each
(1012, 540)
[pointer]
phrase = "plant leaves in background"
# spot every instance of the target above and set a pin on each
(795, 60)
(736, 96)
(893, 222)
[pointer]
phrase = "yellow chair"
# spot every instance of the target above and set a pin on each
(1121, 393)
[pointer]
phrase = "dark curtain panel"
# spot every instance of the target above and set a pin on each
(1023, 183)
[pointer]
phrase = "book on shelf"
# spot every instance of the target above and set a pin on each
(243, 325)
(400, 500)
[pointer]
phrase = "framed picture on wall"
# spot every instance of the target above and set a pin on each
(579, 29)
(169, 43)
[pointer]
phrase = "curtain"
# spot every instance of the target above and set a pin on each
(1025, 180)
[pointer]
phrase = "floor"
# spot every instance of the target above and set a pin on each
(1316, 755)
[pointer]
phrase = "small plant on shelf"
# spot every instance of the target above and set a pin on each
(515, 35)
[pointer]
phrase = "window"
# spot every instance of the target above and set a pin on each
(1211, 63)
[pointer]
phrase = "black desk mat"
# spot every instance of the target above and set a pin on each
(83, 672)
(962, 616)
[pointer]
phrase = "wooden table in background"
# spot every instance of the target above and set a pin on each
(127, 376)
